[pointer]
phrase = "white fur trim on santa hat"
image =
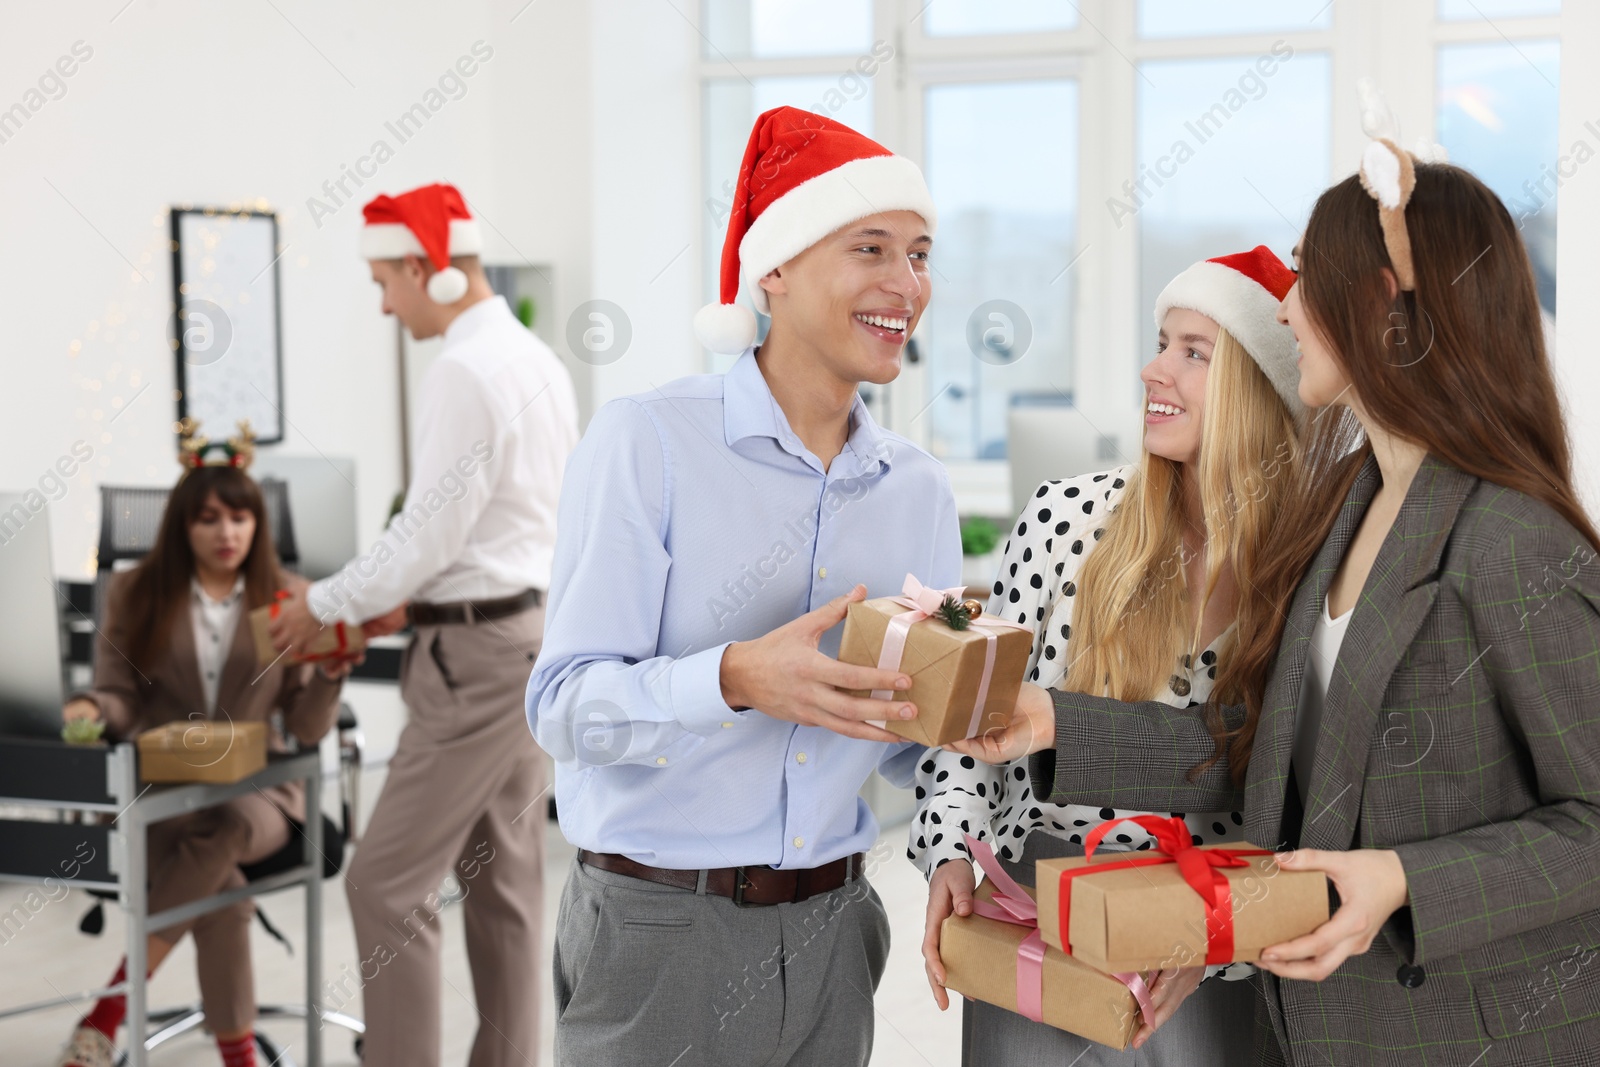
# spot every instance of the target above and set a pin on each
(813, 209)
(1243, 307)
(392, 240)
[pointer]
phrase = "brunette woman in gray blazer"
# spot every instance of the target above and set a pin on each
(1419, 667)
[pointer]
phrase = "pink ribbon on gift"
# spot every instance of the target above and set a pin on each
(1012, 904)
(924, 602)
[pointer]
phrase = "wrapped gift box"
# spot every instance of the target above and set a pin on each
(1143, 918)
(980, 962)
(946, 666)
(339, 639)
(200, 750)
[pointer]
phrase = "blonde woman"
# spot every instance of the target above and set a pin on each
(1128, 578)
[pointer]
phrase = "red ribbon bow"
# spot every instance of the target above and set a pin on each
(339, 633)
(1198, 866)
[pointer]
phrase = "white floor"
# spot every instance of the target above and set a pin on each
(49, 958)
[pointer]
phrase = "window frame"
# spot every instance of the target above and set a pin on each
(1102, 55)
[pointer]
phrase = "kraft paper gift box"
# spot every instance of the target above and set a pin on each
(202, 751)
(1136, 911)
(949, 669)
(981, 961)
(340, 639)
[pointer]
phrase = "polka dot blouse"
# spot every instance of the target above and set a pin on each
(1039, 570)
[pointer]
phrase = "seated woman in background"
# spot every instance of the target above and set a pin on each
(175, 644)
(1129, 580)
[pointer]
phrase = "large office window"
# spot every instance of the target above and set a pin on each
(1082, 152)
(1002, 166)
(1497, 109)
(1233, 152)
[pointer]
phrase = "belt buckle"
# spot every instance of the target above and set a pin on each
(738, 888)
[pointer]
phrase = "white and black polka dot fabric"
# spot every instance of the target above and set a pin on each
(1037, 587)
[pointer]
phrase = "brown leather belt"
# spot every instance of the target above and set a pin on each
(470, 611)
(748, 886)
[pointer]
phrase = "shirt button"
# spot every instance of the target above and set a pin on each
(822, 572)
(661, 761)
(727, 726)
(800, 757)
(799, 842)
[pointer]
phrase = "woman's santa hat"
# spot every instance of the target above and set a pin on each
(1241, 293)
(432, 222)
(803, 177)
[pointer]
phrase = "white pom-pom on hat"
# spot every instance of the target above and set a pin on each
(447, 286)
(726, 329)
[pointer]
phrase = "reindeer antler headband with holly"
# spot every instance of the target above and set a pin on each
(195, 450)
(1388, 174)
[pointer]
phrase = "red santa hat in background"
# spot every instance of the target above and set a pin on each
(1241, 293)
(803, 177)
(432, 222)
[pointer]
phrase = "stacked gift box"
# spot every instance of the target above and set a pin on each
(1079, 951)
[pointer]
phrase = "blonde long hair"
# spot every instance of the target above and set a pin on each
(1131, 621)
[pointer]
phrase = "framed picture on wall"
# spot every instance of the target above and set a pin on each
(225, 321)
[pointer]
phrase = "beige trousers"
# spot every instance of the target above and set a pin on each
(465, 795)
(194, 856)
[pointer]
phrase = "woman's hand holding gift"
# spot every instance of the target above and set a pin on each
(1372, 886)
(1032, 729)
(949, 893)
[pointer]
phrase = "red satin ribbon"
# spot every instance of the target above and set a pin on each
(1198, 866)
(339, 633)
(1012, 904)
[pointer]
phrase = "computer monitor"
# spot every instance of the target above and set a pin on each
(1059, 441)
(322, 499)
(30, 626)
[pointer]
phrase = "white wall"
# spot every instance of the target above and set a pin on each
(646, 173)
(1577, 250)
(185, 102)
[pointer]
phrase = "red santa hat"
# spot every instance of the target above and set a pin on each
(1241, 293)
(432, 222)
(803, 177)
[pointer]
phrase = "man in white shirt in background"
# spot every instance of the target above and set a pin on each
(471, 551)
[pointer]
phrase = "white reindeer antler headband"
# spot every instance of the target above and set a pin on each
(1388, 174)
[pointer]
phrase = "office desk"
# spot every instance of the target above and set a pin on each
(98, 779)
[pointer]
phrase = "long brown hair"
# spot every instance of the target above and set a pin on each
(1457, 365)
(159, 588)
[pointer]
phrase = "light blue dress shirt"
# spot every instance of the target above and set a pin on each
(692, 516)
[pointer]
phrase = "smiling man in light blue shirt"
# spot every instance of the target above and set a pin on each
(712, 531)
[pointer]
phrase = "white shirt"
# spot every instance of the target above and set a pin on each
(496, 420)
(1327, 636)
(214, 622)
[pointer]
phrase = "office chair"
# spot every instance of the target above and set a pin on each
(130, 518)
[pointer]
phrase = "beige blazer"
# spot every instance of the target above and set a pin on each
(132, 700)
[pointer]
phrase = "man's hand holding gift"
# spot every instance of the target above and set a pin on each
(782, 674)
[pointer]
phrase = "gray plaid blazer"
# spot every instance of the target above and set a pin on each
(1462, 730)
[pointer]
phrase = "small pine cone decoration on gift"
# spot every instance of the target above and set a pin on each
(958, 615)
